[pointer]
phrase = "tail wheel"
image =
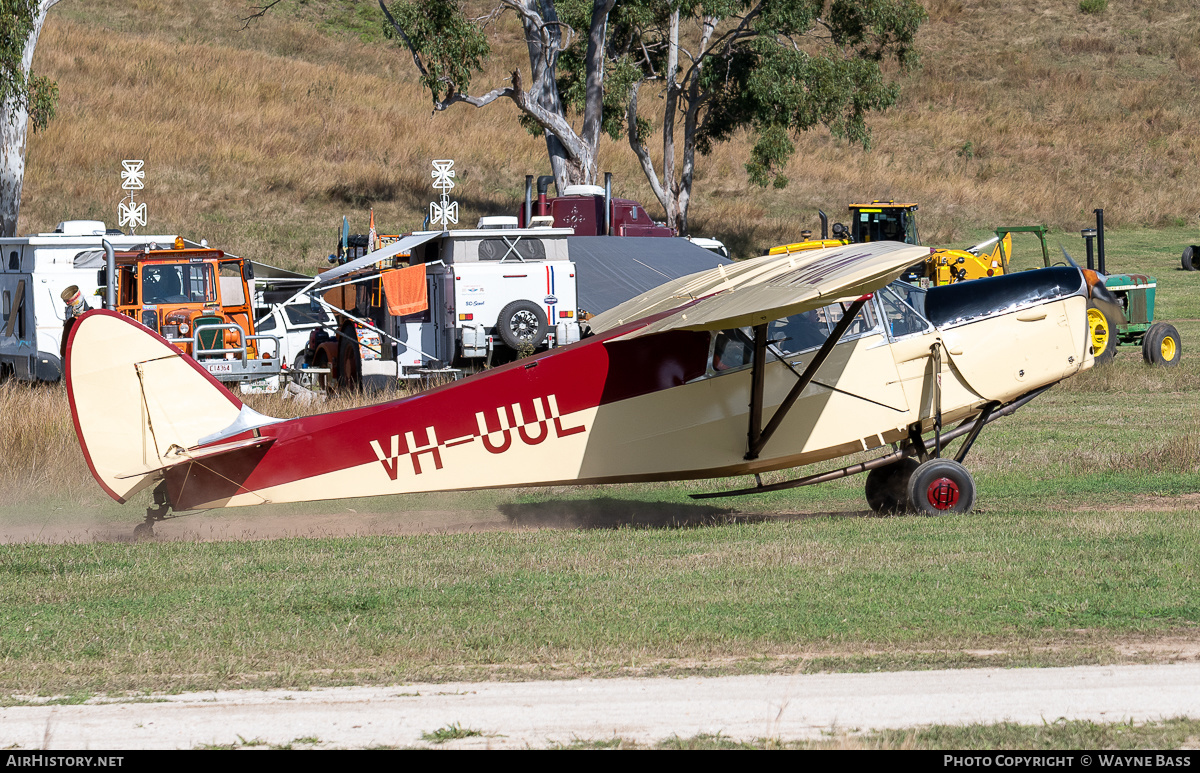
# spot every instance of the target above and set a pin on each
(941, 486)
(1162, 345)
(887, 486)
(1100, 335)
(1191, 258)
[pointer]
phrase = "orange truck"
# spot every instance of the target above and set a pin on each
(199, 299)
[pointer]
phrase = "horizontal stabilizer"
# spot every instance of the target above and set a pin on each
(181, 456)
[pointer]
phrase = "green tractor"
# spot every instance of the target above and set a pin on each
(1127, 317)
(1160, 341)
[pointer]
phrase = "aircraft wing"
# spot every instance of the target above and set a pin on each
(751, 292)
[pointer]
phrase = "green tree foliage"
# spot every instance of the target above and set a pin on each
(28, 99)
(20, 89)
(439, 34)
(773, 67)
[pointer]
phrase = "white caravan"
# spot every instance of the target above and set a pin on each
(34, 270)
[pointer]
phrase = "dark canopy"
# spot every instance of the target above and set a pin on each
(613, 269)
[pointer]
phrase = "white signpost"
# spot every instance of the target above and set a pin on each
(443, 179)
(132, 179)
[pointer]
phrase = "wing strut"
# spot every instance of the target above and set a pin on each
(758, 434)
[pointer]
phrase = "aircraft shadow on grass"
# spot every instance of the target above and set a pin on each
(609, 513)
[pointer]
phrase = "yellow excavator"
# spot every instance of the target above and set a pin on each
(896, 221)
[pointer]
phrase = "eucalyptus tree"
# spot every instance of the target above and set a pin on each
(716, 67)
(28, 99)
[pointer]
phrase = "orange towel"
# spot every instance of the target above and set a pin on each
(405, 290)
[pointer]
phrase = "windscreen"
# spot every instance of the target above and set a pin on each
(177, 283)
(885, 225)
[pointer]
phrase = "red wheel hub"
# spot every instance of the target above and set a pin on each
(942, 493)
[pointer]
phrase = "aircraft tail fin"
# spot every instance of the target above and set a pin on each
(137, 401)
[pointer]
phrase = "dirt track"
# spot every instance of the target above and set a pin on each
(601, 513)
(538, 714)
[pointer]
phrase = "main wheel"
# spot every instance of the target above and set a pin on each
(887, 486)
(1191, 259)
(941, 486)
(1162, 346)
(522, 324)
(1101, 335)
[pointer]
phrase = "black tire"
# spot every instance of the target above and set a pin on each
(1191, 258)
(1162, 345)
(941, 486)
(349, 372)
(1102, 336)
(522, 324)
(887, 486)
(323, 382)
(299, 376)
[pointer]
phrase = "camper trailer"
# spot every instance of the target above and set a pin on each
(474, 291)
(36, 270)
(196, 297)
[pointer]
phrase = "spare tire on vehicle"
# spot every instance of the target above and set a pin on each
(522, 324)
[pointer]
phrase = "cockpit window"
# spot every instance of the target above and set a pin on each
(900, 318)
(799, 332)
(961, 302)
(734, 349)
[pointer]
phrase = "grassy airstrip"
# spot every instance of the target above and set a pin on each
(1085, 548)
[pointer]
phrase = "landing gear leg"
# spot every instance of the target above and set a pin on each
(162, 506)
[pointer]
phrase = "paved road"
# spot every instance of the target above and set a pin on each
(644, 710)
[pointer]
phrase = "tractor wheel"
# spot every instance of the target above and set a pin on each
(349, 367)
(1162, 345)
(941, 486)
(887, 486)
(522, 325)
(1191, 258)
(1101, 335)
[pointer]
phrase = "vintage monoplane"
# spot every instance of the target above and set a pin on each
(765, 364)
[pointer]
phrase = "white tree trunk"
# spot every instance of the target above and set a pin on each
(673, 188)
(14, 127)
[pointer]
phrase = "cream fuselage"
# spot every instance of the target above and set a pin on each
(620, 406)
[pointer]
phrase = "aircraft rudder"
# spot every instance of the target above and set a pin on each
(134, 397)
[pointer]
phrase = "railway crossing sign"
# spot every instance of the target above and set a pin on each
(445, 212)
(133, 176)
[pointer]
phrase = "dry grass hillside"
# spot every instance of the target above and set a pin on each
(260, 140)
